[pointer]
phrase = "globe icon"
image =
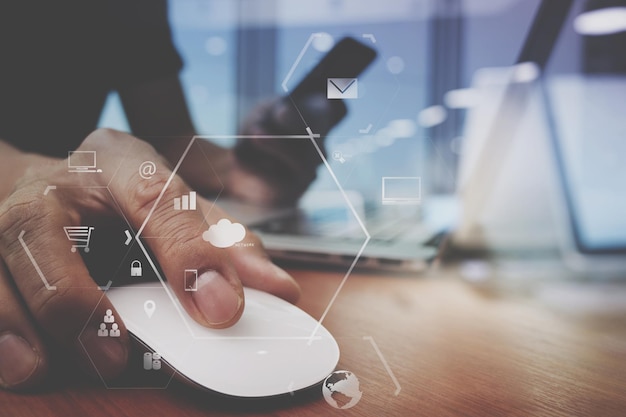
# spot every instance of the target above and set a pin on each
(341, 390)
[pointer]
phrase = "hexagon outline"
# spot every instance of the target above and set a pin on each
(145, 222)
(32, 258)
(361, 249)
(298, 59)
(310, 135)
(306, 46)
(106, 385)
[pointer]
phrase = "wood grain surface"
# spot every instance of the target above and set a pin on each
(453, 350)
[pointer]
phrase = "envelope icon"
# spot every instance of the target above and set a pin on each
(346, 88)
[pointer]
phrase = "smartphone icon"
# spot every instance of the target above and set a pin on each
(191, 280)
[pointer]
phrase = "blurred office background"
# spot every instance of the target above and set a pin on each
(414, 99)
(237, 53)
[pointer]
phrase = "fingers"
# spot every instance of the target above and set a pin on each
(175, 235)
(256, 270)
(22, 355)
(30, 219)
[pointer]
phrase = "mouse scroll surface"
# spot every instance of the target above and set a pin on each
(274, 349)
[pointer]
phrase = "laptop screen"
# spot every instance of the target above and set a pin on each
(401, 190)
(589, 134)
(585, 102)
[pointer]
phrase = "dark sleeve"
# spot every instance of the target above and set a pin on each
(141, 47)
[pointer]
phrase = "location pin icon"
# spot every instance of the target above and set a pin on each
(149, 307)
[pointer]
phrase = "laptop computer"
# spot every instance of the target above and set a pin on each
(400, 232)
(557, 151)
(324, 230)
(586, 131)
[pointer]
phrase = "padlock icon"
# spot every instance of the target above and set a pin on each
(135, 268)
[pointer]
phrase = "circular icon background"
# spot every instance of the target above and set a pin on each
(341, 390)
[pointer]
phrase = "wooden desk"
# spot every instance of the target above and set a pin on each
(452, 350)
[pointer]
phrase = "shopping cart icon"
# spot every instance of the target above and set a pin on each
(80, 235)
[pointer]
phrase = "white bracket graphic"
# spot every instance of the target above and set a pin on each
(48, 188)
(32, 260)
(384, 362)
(105, 287)
(367, 129)
(369, 36)
(298, 59)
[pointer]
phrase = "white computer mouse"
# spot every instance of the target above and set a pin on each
(275, 348)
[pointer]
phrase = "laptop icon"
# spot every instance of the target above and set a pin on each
(401, 190)
(82, 161)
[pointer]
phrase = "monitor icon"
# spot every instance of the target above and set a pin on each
(401, 190)
(82, 161)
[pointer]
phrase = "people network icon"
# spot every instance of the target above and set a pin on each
(104, 331)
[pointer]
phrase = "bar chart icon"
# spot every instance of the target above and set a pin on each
(185, 202)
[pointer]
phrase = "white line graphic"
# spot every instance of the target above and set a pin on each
(387, 368)
(358, 219)
(32, 260)
(298, 59)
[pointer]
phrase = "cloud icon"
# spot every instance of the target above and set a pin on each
(224, 234)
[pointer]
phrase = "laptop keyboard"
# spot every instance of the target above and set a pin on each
(382, 230)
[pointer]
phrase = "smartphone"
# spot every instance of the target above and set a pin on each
(346, 61)
(290, 166)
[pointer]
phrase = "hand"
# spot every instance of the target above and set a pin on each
(278, 171)
(30, 314)
(274, 171)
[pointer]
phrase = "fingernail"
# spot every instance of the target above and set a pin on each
(216, 299)
(108, 354)
(18, 360)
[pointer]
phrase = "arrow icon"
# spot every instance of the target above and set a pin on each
(128, 237)
(367, 129)
(369, 36)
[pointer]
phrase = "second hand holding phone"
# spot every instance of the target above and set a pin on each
(313, 107)
(334, 77)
